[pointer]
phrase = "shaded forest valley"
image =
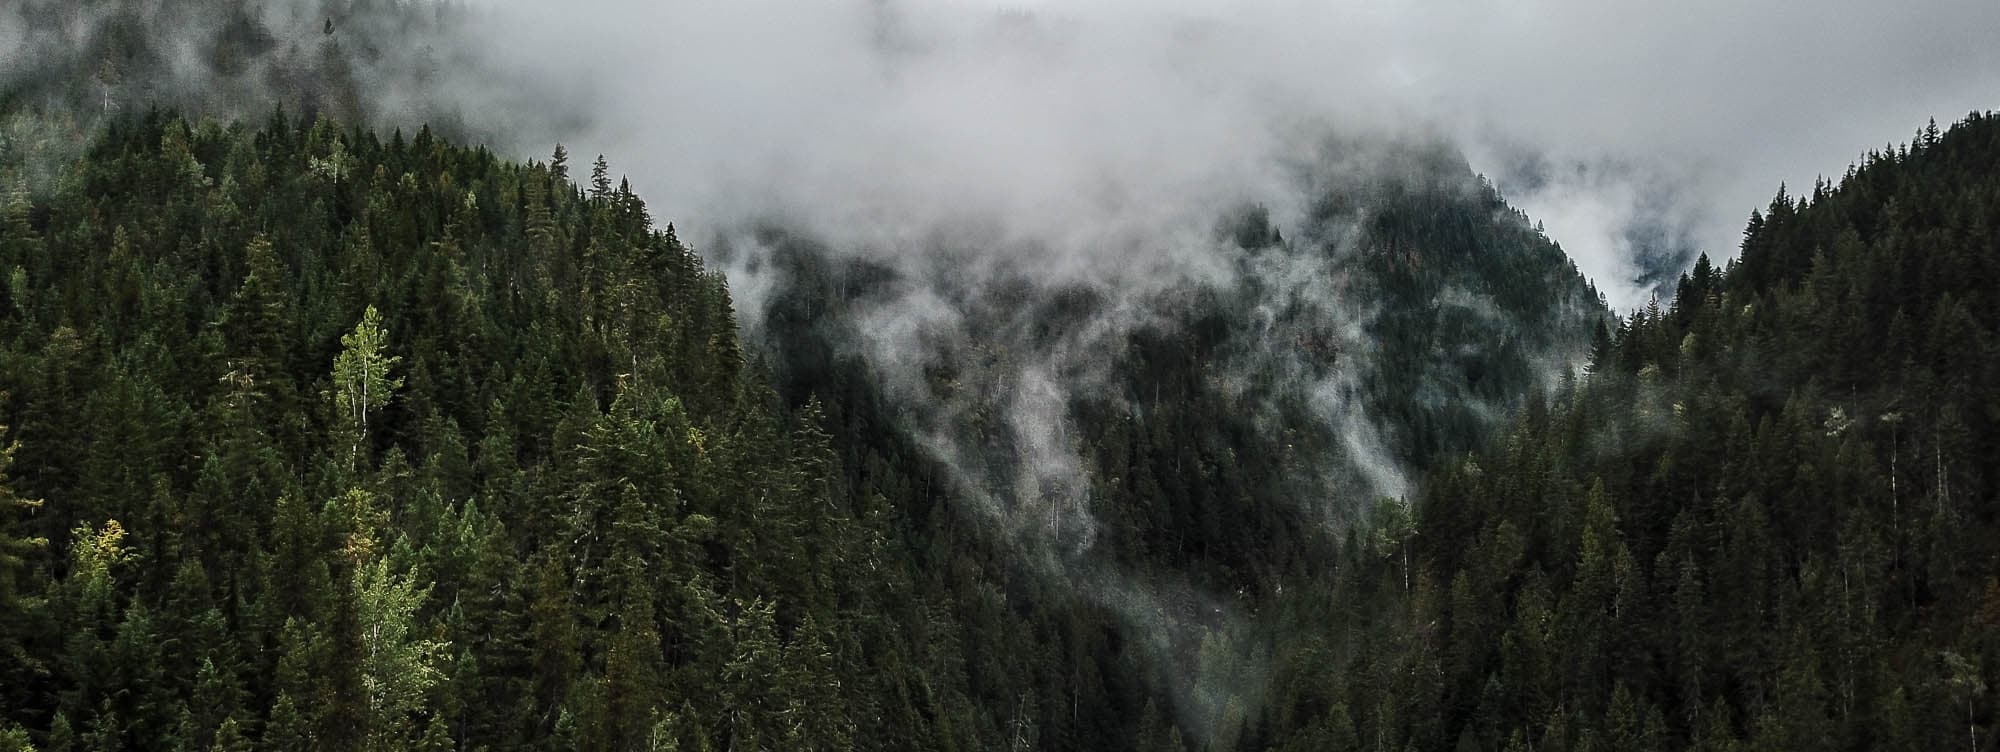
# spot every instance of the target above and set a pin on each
(319, 435)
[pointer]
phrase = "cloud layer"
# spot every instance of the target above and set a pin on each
(1087, 125)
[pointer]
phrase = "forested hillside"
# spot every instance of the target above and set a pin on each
(1119, 510)
(333, 440)
(319, 434)
(319, 440)
(1429, 306)
(1765, 518)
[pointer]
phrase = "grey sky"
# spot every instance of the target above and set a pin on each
(1111, 123)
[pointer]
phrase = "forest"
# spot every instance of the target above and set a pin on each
(321, 433)
(274, 477)
(320, 440)
(1762, 519)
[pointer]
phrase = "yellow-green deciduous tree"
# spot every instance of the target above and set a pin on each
(401, 661)
(361, 379)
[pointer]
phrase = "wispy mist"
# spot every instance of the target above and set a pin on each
(1624, 128)
(1092, 145)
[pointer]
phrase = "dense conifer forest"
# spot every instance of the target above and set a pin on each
(328, 440)
(1763, 519)
(320, 440)
(317, 439)
(318, 433)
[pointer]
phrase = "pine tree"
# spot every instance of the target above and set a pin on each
(229, 737)
(16, 552)
(258, 322)
(559, 163)
(15, 739)
(600, 180)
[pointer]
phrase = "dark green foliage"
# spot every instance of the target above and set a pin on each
(1215, 476)
(344, 442)
(347, 443)
(1766, 517)
(411, 447)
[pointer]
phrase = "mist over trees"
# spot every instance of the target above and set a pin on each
(398, 435)
(228, 57)
(1764, 519)
(320, 433)
(71, 66)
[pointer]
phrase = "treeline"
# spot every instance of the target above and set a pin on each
(75, 65)
(1764, 519)
(320, 440)
(335, 441)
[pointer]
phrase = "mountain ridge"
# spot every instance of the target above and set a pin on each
(317, 437)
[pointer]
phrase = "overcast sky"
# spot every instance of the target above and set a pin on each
(1073, 122)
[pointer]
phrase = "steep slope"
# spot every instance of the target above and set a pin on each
(1765, 519)
(350, 443)
(320, 439)
(1139, 474)
(393, 443)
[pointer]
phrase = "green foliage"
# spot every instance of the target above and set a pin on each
(1764, 519)
(545, 466)
(17, 551)
(550, 499)
(361, 378)
(399, 667)
(1204, 452)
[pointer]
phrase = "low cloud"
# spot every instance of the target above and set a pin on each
(1630, 130)
(1092, 146)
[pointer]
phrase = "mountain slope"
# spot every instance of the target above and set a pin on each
(321, 439)
(1140, 472)
(374, 444)
(1765, 519)
(351, 443)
